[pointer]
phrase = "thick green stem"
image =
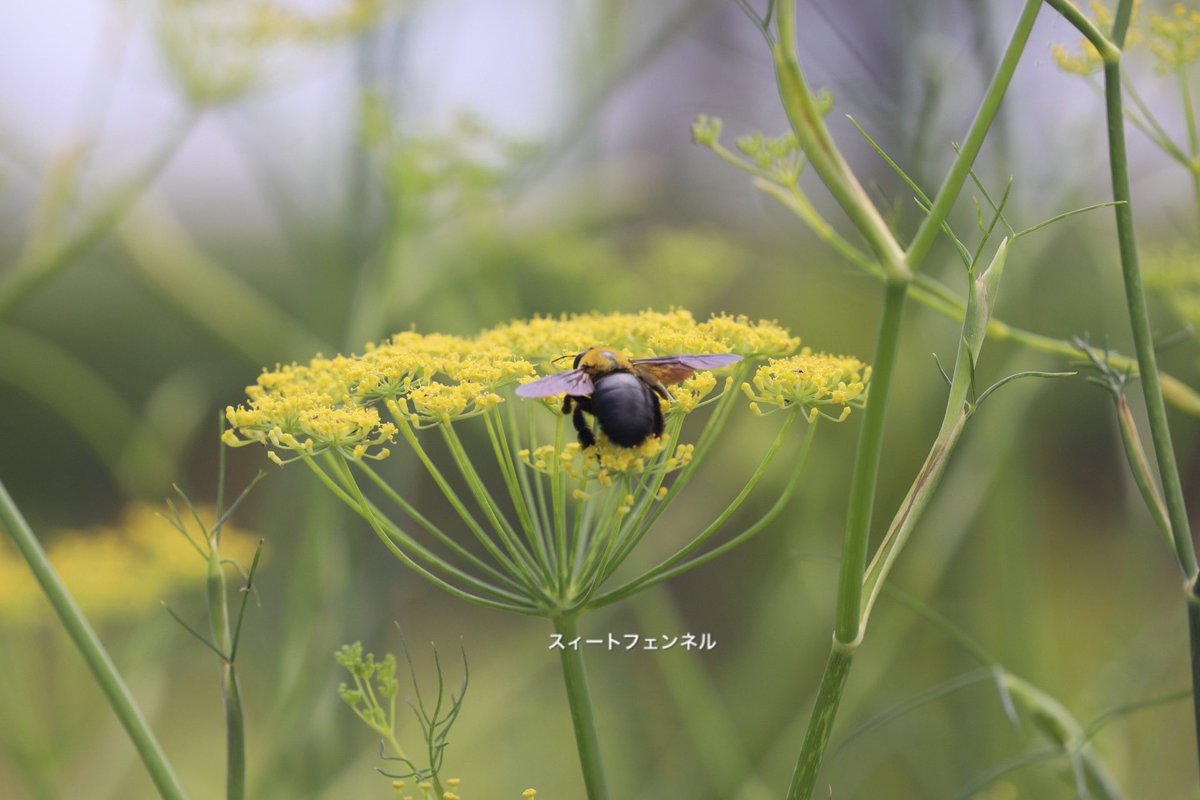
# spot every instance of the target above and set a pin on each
(583, 718)
(93, 652)
(823, 153)
(1139, 319)
(820, 725)
(866, 468)
(235, 734)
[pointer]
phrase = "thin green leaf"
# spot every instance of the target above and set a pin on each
(1180, 336)
(1132, 708)
(987, 233)
(898, 711)
(204, 641)
(963, 253)
(941, 369)
(179, 526)
(922, 199)
(1015, 376)
(986, 196)
(223, 517)
(191, 508)
(1065, 215)
(895, 167)
(1006, 698)
(246, 591)
(1004, 768)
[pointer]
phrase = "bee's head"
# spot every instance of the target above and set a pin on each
(602, 359)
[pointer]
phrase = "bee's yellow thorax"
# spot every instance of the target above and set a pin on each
(603, 359)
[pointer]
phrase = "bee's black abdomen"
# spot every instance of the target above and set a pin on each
(625, 408)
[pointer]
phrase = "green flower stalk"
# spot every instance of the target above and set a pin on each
(93, 652)
(549, 539)
(1175, 44)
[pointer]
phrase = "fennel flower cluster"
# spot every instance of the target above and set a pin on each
(1173, 38)
(570, 515)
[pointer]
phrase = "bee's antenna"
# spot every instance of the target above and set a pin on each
(560, 358)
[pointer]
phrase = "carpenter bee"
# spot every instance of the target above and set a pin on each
(621, 393)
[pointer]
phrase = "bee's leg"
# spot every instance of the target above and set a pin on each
(582, 429)
(568, 402)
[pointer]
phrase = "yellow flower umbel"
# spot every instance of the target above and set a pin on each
(813, 381)
(579, 512)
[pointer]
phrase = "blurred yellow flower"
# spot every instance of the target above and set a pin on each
(115, 571)
(1088, 60)
(1175, 275)
(1175, 37)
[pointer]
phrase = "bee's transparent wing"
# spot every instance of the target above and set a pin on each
(673, 369)
(575, 382)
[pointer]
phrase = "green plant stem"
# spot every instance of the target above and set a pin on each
(1189, 116)
(911, 510)
(849, 627)
(99, 662)
(847, 631)
(1139, 320)
(41, 266)
(933, 294)
(222, 633)
(1049, 715)
(671, 567)
(583, 718)
(1139, 466)
(960, 170)
(820, 725)
(1085, 26)
(235, 734)
(352, 495)
(1057, 723)
(866, 469)
(1148, 123)
(823, 153)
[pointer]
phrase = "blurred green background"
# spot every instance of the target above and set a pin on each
(194, 190)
